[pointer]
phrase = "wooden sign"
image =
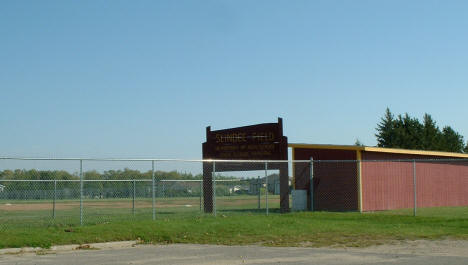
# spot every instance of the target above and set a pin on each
(255, 142)
(263, 141)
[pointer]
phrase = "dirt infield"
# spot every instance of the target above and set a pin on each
(72, 205)
(121, 204)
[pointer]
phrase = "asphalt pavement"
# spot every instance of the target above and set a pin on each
(212, 254)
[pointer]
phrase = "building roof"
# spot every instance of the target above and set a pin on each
(378, 149)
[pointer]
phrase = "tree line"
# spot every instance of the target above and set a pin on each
(404, 131)
(70, 189)
(125, 174)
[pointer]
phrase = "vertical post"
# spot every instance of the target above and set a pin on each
(153, 190)
(134, 195)
(266, 187)
(414, 188)
(284, 186)
(81, 192)
(359, 180)
(55, 198)
(201, 195)
(311, 184)
(214, 187)
(258, 190)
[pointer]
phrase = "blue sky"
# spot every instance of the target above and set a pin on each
(144, 78)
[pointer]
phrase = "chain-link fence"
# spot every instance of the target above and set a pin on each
(41, 192)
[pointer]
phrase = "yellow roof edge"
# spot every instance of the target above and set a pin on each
(414, 152)
(378, 149)
(326, 146)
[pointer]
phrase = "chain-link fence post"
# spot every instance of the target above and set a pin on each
(55, 198)
(258, 191)
(201, 196)
(414, 188)
(81, 192)
(311, 184)
(153, 190)
(359, 180)
(266, 187)
(214, 187)
(133, 200)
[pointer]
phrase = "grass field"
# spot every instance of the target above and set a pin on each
(443, 212)
(67, 212)
(239, 221)
(293, 229)
(40, 213)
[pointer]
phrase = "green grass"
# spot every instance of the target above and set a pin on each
(294, 229)
(239, 221)
(452, 212)
(39, 212)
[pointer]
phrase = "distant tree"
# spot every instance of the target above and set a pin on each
(358, 143)
(466, 148)
(96, 188)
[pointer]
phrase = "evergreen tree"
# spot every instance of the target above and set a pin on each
(407, 132)
(451, 140)
(431, 135)
(414, 132)
(386, 130)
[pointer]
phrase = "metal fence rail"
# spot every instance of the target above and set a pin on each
(71, 191)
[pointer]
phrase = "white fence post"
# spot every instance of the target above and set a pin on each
(134, 195)
(81, 192)
(266, 188)
(312, 184)
(213, 179)
(259, 186)
(201, 196)
(55, 198)
(153, 191)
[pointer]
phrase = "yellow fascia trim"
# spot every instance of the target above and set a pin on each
(359, 178)
(327, 146)
(378, 149)
(414, 152)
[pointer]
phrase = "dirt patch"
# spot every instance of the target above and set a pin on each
(108, 204)
(127, 204)
(37, 206)
(243, 202)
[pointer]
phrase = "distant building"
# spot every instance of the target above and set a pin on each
(273, 184)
